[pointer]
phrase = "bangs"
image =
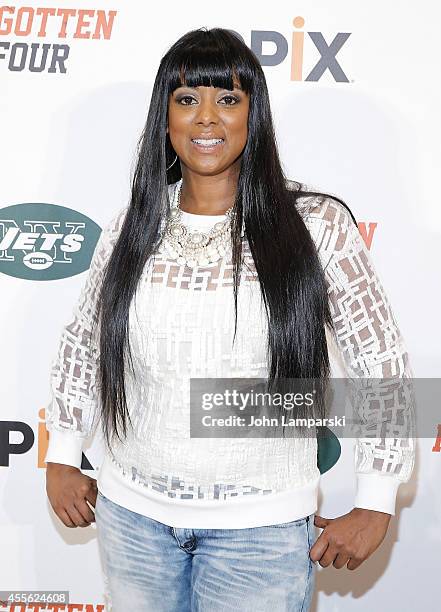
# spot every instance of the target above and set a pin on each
(211, 61)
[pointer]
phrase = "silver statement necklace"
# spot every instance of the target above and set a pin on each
(194, 248)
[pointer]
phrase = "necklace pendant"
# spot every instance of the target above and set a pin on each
(198, 239)
(194, 248)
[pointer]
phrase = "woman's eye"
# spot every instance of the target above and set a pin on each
(188, 100)
(185, 100)
(229, 100)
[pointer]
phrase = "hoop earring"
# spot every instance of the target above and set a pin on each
(173, 162)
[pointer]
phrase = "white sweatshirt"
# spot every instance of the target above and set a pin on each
(181, 326)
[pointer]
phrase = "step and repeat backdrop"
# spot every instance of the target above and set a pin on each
(356, 98)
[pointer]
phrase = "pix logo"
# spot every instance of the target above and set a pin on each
(8, 448)
(327, 51)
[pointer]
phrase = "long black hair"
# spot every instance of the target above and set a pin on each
(291, 277)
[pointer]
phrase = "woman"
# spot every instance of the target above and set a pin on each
(216, 523)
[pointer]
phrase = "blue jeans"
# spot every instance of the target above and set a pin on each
(149, 566)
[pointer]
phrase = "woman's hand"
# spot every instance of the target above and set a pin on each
(68, 489)
(350, 538)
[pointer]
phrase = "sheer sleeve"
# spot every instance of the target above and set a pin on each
(372, 348)
(72, 415)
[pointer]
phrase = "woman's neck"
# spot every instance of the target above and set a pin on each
(208, 195)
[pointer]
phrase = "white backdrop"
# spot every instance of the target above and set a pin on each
(68, 138)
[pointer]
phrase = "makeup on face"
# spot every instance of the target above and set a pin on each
(208, 123)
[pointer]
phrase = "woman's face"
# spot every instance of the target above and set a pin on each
(208, 127)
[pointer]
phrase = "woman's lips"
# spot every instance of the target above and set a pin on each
(207, 145)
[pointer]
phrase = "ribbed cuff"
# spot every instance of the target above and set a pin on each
(377, 492)
(64, 447)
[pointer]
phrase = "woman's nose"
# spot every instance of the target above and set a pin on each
(207, 113)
